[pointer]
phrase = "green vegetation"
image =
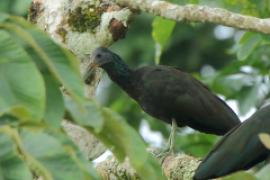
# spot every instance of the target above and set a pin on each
(33, 67)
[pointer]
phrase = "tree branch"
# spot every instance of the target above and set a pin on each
(199, 14)
(177, 167)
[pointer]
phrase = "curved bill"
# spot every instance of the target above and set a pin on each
(88, 74)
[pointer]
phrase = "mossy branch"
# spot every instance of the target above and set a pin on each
(176, 167)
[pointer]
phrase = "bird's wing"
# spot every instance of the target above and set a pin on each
(206, 87)
(213, 110)
(182, 94)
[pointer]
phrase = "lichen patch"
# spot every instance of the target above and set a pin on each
(83, 19)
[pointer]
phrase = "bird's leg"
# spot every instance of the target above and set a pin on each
(172, 137)
(171, 142)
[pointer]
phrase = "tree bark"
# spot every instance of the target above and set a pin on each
(174, 167)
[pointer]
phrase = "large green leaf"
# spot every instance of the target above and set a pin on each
(22, 91)
(54, 102)
(125, 142)
(116, 134)
(11, 164)
(86, 114)
(57, 159)
(60, 62)
(162, 30)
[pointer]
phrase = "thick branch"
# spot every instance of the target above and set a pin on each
(176, 167)
(199, 14)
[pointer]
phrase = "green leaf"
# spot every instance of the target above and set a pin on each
(85, 114)
(61, 63)
(124, 141)
(22, 91)
(116, 134)
(54, 102)
(162, 29)
(247, 44)
(59, 159)
(161, 32)
(11, 164)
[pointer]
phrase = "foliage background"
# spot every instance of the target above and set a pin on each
(236, 66)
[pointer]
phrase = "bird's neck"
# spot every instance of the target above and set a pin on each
(121, 74)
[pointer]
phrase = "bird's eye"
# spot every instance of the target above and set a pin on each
(98, 56)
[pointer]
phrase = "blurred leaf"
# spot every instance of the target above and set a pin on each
(60, 62)
(87, 114)
(265, 139)
(122, 104)
(162, 30)
(196, 144)
(22, 91)
(240, 175)
(247, 98)
(231, 84)
(263, 174)
(247, 44)
(11, 164)
(58, 161)
(54, 102)
(124, 141)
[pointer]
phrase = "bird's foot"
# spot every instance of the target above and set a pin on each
(163, 154)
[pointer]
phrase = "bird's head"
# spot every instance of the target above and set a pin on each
(106, 59)
(102, 56)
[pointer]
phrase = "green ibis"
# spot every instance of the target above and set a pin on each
(168, 94)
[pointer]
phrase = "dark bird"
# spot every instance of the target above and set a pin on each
(239, 149)
(167, 93)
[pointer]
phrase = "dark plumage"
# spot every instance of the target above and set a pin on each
(240, 149)
(167, 93)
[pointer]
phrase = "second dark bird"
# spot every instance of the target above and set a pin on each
(167, 93)
(240, 149)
